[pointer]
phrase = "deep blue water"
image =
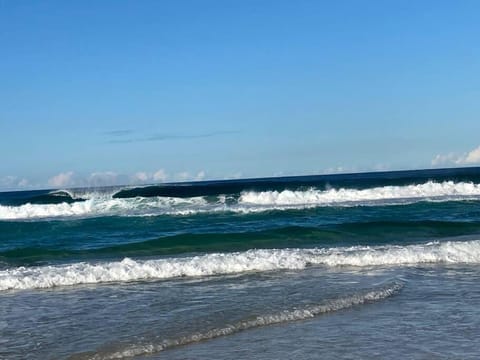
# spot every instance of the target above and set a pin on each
(336, 266)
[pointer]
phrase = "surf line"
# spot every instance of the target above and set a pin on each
(285, 316)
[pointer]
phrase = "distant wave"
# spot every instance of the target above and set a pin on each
(321, 182)
(42, 197)
(102, 204)
(452, 252)
(289, 315)
(51, 197)
(428, 190)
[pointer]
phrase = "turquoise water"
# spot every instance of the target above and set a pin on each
(361, 265)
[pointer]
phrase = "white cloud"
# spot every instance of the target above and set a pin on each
(23, 183)
(8, 181)
(469, 158)
(186, 176)
(444, 159)
(95, 179)
(105, 178)
(183, 176)
(62, 180)
(140, 177)
(473, 157)
(200, 176)
(13, 182)
(160, 176)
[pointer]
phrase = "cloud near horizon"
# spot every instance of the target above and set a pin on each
(110, 178)
(160, 176)
(13, 182)
(62, 180)
(468, 158)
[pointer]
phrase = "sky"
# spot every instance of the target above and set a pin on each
(106, 92)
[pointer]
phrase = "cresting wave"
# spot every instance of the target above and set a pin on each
(448, 189)
(102, 206)
(239, 262)
(285, 316)
(245, 202)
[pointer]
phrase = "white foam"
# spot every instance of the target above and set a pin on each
(296, 314)
(99, 204)
(427, 190)
(238, 262)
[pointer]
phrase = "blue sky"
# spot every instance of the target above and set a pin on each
(98, 92)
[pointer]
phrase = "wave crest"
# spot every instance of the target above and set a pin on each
(102, 206)
(427, 190)
(239, 262)
(246, 202)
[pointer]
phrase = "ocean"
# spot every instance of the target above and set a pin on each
(368, 265)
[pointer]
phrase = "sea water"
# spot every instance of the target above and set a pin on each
(372, 265)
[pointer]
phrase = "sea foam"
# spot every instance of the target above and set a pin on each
(102, 206)
(453, 252)
(247, 202)
(427, 190)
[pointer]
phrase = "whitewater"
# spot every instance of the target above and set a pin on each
(246, 202)
(234, 263)
(329, 266)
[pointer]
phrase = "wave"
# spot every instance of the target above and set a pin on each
(39, 197)
(290, 315)
(102, 206)
(365, 233)
(258, 260)
(51, 197)
(428, 190)
(322, 182)
(246, 202)
(237, 186)
(48, 197)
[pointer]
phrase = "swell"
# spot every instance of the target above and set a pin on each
(258, 260)
(247, 202)
(345, 234)
(45, 197)
(38, 197)
(430, 190)
(299, 183)
(284, 316)
(235, 187)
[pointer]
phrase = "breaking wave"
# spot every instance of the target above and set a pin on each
(446, 190)
(102, 206)
(245, 202)
(285, 316)
(239, 262)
